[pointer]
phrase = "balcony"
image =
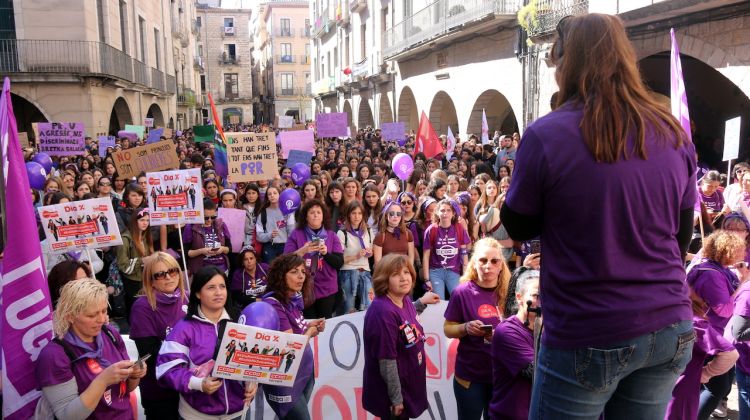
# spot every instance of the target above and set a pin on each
(186, 97)
(228, 60)
(227, 31)
(322, 23)
(171, 84)
(140, 73)
(198, 63)
(305, 59)
(296, 92)
(550, 12)
(286, 59)
(305, 33)
(284, 33)
(443, 17)
(157, 80)
(195, 28)
(357, 5)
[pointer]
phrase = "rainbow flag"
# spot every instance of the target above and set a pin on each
(221, 165)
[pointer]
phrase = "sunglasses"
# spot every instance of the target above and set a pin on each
(493, 261)
(394, 213)
(161, 275)
(210, 217)
(407, 202)
(557, 48)
(105, 184)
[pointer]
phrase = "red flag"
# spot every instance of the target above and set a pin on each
(428, 141)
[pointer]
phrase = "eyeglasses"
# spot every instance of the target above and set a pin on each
(161, 275)
(493, 261)
(394, 213)
(407, 202)
(210, 217)
(105, 184)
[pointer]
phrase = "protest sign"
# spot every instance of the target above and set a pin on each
(296, 140)
(234, 119)
(298, 156)
(732, 139)
(79, 225)
(23, 138)
(297, 127)
(35, 129)
(61, 139)
(252, 156)
(175, 197)
(235, 220)
(168, 133)
(148, 122)
(285, 121)
(204, 133)
(104, 143)
(137, 129)
(332, 125)
(257, 354)
(149, 158)
(394, 131)
(154, 135)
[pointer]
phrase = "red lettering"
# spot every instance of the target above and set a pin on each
(452, 349)
(338, 399)
(361, 413)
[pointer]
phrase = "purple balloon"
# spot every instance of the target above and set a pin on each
(179, 133)
(37, 175)
(44, 160)
(261, 315)
(300, 173)
(402, 141)
(289, 201)
(403, 166)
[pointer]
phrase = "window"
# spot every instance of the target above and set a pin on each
(200, 50)
(198, 21)
(442, 60)
(335, 57)
(287, 83)
(363, 40)
(203, 82)
(100, 20)
(308, 84)
(346, 51)
(228, 22)
(142, 30)
(156, 49)
(307, 53)
(315, 66)
(231, 86)
(286, 53)
(230, 54)
(329, 64)
(307, 28)
(124, 26)
(286, 27)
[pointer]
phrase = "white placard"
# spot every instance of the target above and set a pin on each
(78, 225)
(175, 197)
(732, 139)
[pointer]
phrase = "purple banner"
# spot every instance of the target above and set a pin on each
(677, 88)
(25, 306)
(61, 139)
(155, 135)
(332, 125)
(104, 143)
(395, 131)
(296, 140)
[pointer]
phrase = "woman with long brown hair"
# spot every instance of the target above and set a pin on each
(613, 232)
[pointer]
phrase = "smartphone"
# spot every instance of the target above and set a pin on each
(142, 360)
(486, 328)
(535, 246)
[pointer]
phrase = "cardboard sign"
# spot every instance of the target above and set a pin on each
(61, 139)
(334, 124)
(296, 140)
(298, 156)
(252, 156)
(732, 139)
(152, 157)
(137, 129)
(234, 119)
(175, 197)
(78, 225)
(298, 127)
(235, 220)
(23, 138)
(395, 131)
(168, 133)
(154, 135)
(256, 354)
(285, 121)
(104, 143)
(35, 129)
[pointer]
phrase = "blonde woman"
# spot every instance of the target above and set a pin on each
(163, 302)
(85, 371)
(474, 309)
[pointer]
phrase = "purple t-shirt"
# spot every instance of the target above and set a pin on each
(53, 367)
(612, 266)
(714, 288)
(254, 286)
(325, 277)
(512, 351)
(713, 202)
(742, 308)
(467, 303)
(445, 249)
(708, 342)
(394, 333)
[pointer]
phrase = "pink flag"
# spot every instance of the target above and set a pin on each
(451, 144)
(677, 91)
(25, 308)
(485, 129)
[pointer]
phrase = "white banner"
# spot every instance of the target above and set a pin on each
(79, 225)
(175, 197)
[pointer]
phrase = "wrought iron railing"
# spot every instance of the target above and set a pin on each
(284, 32)
(439, 18)
(286, 59)
(550, 12)
(157, 80)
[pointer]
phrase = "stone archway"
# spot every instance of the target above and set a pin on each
(119, 116)
(365, 114)
(407, 109)
(386, 112)
(500, 116)
(26, 112)
(349, 115)
(443, 114)
(154, 111)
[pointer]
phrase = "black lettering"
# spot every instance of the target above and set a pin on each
(357, 342)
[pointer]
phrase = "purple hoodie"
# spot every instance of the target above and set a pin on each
(190, 344)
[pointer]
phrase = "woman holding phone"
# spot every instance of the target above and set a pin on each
(474, 309)
(207, 243)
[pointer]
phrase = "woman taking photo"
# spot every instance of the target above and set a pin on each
(272, 227)
(154, 313)
(394, 379)
(354, 277)
(207, 243)
(136, 245)
(443, 271)
(288, 280)
(323, 255)
(85, 371)
(191, 344)
(249, 280)
(394, 237)
(474, 309)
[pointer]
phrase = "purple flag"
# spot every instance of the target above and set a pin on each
(677, 91)
(25, 308)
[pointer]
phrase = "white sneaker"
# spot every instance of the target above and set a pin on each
(721, 410)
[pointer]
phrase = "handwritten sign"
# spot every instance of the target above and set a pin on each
(149, 158)
(104, 143)
(61, 139)
(285, 121)
(296, 140)
(154, 135)
(234, 119)
(79, 225)
(332, 125)
(168, 133)
(235, 220)
(252, 156)
(394, 131)
(732, 138)
(23, 138)
(137, 129)
(298, 156)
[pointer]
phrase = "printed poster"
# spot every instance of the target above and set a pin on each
(61, 139)
(256, 354)
(175, 197)
(79, 225)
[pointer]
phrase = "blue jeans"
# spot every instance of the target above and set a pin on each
(271, 251)
(443, 279)
(712, 392)
(300, 411)
(353, 283)
(632, 379)
(743, 391)
(471, 403)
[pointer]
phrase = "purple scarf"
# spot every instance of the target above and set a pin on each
(97, 355)
(359, 233)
